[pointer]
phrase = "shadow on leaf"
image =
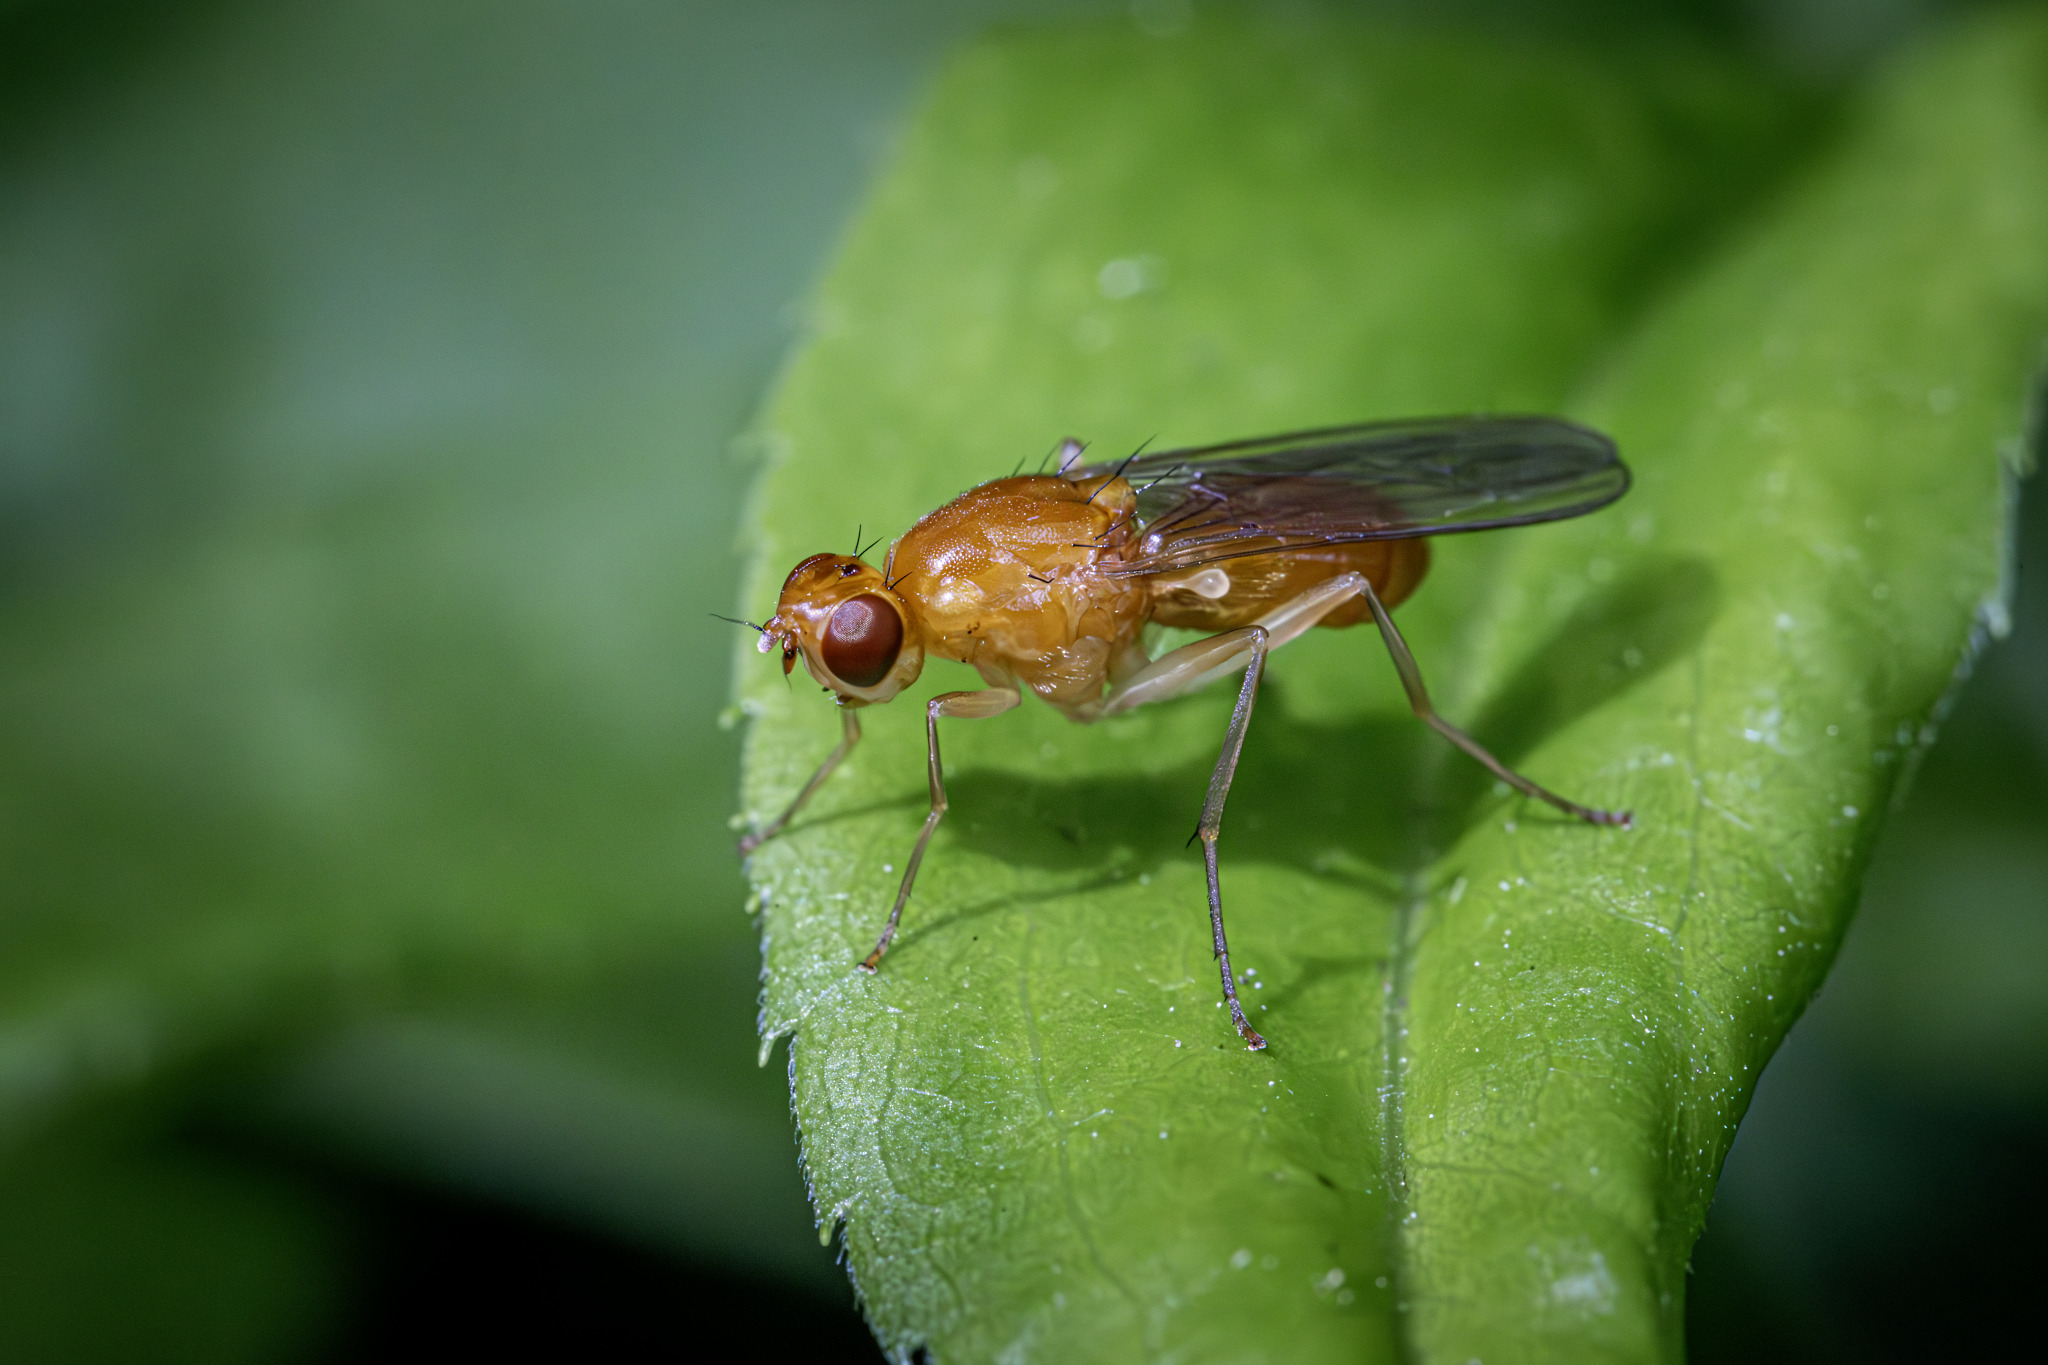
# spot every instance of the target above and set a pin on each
(1338, 799)
(1619, 637)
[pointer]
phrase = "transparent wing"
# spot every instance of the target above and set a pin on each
(1376, 481)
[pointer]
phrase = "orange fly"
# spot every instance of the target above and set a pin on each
(1043, 583)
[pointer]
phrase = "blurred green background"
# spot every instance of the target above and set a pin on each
(374, 974)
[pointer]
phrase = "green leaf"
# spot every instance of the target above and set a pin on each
(1508, 1051)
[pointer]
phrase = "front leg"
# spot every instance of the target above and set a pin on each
(848, 737)
(963, 706)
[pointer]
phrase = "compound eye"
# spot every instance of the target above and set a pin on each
(862, 640)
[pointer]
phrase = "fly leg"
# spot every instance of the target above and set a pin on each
(1197, 665)
(1193, 667)
(1182, 671)
(1418, 700)
(1211, 824)
(849, 736)
(963, 706)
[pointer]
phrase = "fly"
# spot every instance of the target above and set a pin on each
(1043, 583)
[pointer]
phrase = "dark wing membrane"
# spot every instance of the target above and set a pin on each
(1377, 481)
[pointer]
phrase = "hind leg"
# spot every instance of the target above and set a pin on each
(1418, 701)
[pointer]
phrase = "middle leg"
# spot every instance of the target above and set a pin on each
(1211, 826)
(1197, 665)
(1180, 672)
(991, 701)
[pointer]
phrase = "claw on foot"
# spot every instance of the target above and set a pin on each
(1252, 1041)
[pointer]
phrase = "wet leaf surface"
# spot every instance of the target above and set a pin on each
(1508, 1051)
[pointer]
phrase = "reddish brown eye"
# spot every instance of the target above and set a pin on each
(862, 640)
